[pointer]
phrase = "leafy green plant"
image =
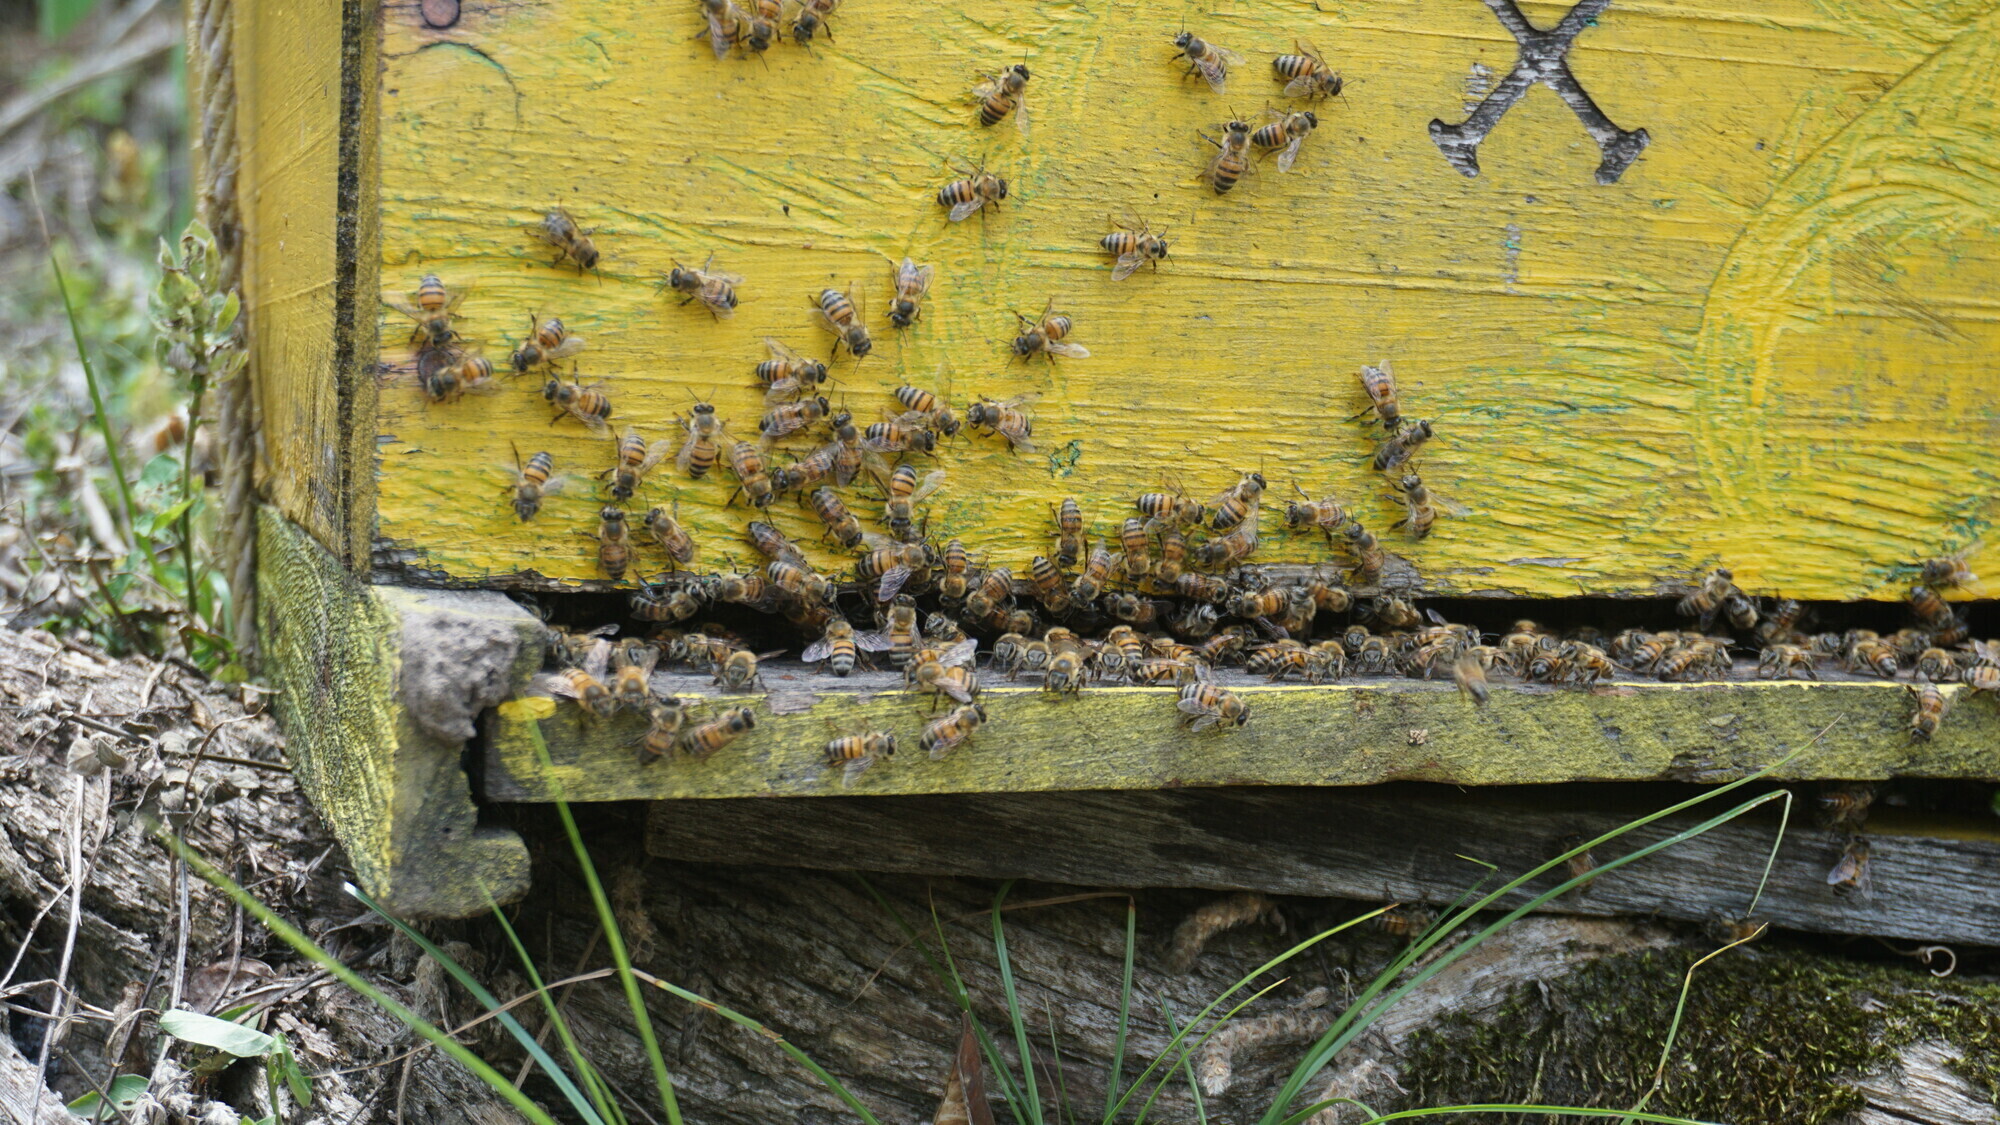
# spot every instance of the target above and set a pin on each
(232, 1041)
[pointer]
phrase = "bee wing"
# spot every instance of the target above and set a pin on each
(1301, 86)
(406, 308)
(963, 211)
(721, 37)
(647, 659)
(817, 651)
(957, 691)
(1127, 264)
(1218, 77)
(1065, 348)
(891, 584)
(964, 652)
(881, 445)
(986, 86)
(717, 303)
(1452, 506)
(871, 642)
(718, 275)
(559, 687)
(932, 481)
(1021, 113)
(1021, 399)
(656, 453)
(1289, 154)
(923, 278)
(855, 769)
(686, 454)
(569, 347)
(597, 658)
(1228, 56)
(780, 351)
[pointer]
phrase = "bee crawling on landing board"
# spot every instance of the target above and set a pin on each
(1134, 243)
(976, 190)
(713, 288)
(1005, 419)
(912, 282)
(1284, 135)
(1306, 74)
(1232, 157)
(547, 342)
(1001, 94)
(533, 480)
(837, 314)
(559, 229)
(1213, 62)
(589, 405)
(1046, 335)
(432, 307)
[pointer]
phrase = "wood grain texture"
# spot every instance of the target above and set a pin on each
(392, 787)
(1765, 344)
(1347, 734)
(1403, 843)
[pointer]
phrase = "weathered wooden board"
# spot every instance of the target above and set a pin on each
(1353, 733)
(1766, 342)
(1404, 843)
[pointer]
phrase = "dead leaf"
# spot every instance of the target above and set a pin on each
(204, 989)
(964, 1101)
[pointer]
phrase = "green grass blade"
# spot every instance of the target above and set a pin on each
(1117, 1075)
(96, 399)
(1187, 1066)
(1029, 1094)
(311, 951)
(490, 1002)
(1065, 1112)
(600, 1093)
(1188, 1051)
(1674, 1026)
(614, 940)
(1562, 1110)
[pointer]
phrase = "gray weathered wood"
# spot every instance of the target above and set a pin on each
(1400, 842)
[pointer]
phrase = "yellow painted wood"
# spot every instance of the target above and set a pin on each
(1126, 738)
(1769, 343)
(313, 411)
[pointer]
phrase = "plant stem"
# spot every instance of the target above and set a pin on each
(96, 397)
(187, 493)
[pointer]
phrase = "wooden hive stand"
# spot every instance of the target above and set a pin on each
(1673, 292)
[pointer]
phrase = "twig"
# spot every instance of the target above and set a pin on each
(59, 997)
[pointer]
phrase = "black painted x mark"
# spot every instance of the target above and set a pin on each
(1542, 59)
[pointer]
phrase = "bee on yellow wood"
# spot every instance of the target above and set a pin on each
(955, 579)
(1929, 713)
(840, 523)
(1706, 599)
(713, 288)
(660, 604)
(1172, 507)
(1137, 561)
(1380, 384)
(589, 405)
(787, 375)
(1948, 571)
(1285, 135)
(892, 568)
(726, 24)
(762, 29)
(952, 731)
(1369, 557)
(703, 447)
(546, 342)
(1402, 446)
(560, 230)
(811, 20)
(897, 437)
(922, 408)
(789, 418)
(1045, 336)
(1047, 584)
(614, 543)
(1089, 584)
(1850, 874)
(752, 481)
(533, 480)
(912, 282)
(1001, 94)
(1204, 705)
(442, 375)
(700, 742)
(1238, 504)
(1006, 419)
(1306, 74)
(432, 306)
(666, 530)
(993, 593)
(1069, 532)
(904, 490)
(664, 720)
(1327, 515)
(1228, 549)
(800, 582)
(1134, 244)
(856, 752)
(1422, 506)
(1211, 61)
(1232, 157)
(978, 189)
(900, 629)
(629, 684)
(1173, 557)
(774, 544)
(636, 458)
(837, 314)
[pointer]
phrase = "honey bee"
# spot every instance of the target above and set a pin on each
(1090, 583)
(1843, 808)
(891, 568)
(1930, 704)
(1740, 610)
(713, 288)
(1581, 865)
(727, 23)
(1066, 673)
(703, 741)
(1949, 571)
(1069, 532)
(901, 630)
(922, 408)
(789, 418)
(945, 673)
(588, 405)
(801, 581)
(1173, 557)
(1326, 660)
(1695, 658)
(1876, 656)
(1937, 665)
(667, 531)
(738, 671)
(1401, 446)
(559, 229)
(1585, 664)
(1279, 659)
(903, 491)
(1047, 583)
(1195, 622)
(762, 28)
(956, 579)
(965, 196)
(1229, 549)
(1405, 923)
(1850, 876)
(1779, 622)
(1238, 504)
(614, 544)
(703, 446)
(1170, 508)
(1004, 93)
(1252, 604)
(658, 603)
(751, 479)
(840, 647)
(837, 314)
(840, 523)
(546, 342)
(445, 374)
(787, 374)
(1706, 599)
(856, 752)
(588, 691)
(1212, 61)
(1232, 157)
(1786, 662)
(1005, 419)
(1044, 335)
(811, 20)
(1306, 74)
(1138, 557)
(1983, 676)
(636, 458)
(1422, 506)
(1285, 135)
(912, 282)
(664, 720)
(532, 481)
(629, 685)
(1134, 244)
(993, 593)
(432, 307)
(1327, 514)
(897, 437)
(1932, 611)
(1204, 705)
(952, 731)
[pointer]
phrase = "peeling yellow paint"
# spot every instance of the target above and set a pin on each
(1769, 342)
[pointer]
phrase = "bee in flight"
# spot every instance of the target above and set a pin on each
(1284, 136)
(1005, 419)
(837, 314)
(1306, 74)
(1232, 157)
(532, 481)
(546, 342)
(912, 282)
(1135, 244)
(559, 229)
(1212, 61)
(1046, 335)
(965, 196)
(432, 307)
(1002, 94)
(715, 289)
